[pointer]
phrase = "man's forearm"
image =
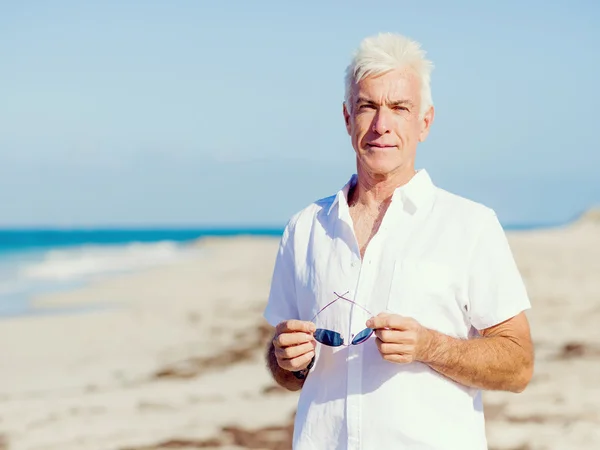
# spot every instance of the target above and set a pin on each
(283, 377)
(490, 363)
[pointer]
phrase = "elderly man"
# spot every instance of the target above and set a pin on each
(395, 302)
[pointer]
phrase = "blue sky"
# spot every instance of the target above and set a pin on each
(206, 113)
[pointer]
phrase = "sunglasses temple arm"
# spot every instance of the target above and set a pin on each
(321, 310)
(354, 303)
(343, 298)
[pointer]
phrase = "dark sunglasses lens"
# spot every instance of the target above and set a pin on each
(329, 338)
(362, 336)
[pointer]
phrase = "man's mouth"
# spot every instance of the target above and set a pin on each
(377, 146)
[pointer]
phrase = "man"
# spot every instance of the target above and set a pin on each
(434, 268)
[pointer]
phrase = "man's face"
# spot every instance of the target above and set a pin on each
(384, 122)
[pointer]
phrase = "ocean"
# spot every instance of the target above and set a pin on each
(35, 262)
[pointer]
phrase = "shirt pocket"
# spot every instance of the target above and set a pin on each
(429, 292)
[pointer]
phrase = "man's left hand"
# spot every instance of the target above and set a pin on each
(400, 339)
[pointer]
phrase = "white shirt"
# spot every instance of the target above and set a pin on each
(437, 257)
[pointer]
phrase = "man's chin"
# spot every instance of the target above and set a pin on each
(382, 167)
(379, 169)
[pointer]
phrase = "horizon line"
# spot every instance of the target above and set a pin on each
(217, 227)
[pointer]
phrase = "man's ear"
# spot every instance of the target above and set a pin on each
(426, 122)
(346, 117)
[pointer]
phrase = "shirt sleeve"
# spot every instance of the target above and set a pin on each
(496, 289)
(282, 304)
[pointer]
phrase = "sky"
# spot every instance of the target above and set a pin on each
(195, 113)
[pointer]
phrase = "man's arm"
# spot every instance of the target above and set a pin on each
(502, 359)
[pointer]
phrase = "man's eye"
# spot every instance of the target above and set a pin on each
(401, 108)
(366, 107)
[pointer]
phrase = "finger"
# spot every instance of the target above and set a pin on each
(299, 363)
(399, 359)
(393, 321)
(289, 326)
(294, 351)
(385, 348)
(389, 335)
(293, 338)
(396, 336)
(381, 315)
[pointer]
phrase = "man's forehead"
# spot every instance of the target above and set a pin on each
(391, 96)
(387, 99)
(391, 86)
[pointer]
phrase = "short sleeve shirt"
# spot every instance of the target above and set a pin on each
(437, 257)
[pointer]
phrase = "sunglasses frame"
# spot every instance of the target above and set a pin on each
(343, 344)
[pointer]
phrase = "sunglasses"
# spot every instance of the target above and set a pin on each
(335, 339)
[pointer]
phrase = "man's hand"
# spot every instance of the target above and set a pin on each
(294, 344)
(400, 339)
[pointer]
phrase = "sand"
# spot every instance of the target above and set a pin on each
(173, 356)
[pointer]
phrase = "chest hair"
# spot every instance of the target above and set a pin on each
(366, 222)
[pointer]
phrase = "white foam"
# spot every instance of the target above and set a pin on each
(87, 261)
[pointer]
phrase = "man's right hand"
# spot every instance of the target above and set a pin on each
(294, 344)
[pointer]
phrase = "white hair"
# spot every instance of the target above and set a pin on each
(384, 52)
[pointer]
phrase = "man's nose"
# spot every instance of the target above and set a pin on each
(381, 122)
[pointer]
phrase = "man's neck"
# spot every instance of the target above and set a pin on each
(372, 192)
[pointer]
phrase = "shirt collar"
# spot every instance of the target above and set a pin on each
(418, 191)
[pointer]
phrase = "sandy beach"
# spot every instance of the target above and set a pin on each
(173, 357)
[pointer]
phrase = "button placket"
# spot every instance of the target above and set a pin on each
(364, 285)
(354, 381)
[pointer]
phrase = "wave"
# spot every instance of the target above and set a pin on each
(92, 260)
